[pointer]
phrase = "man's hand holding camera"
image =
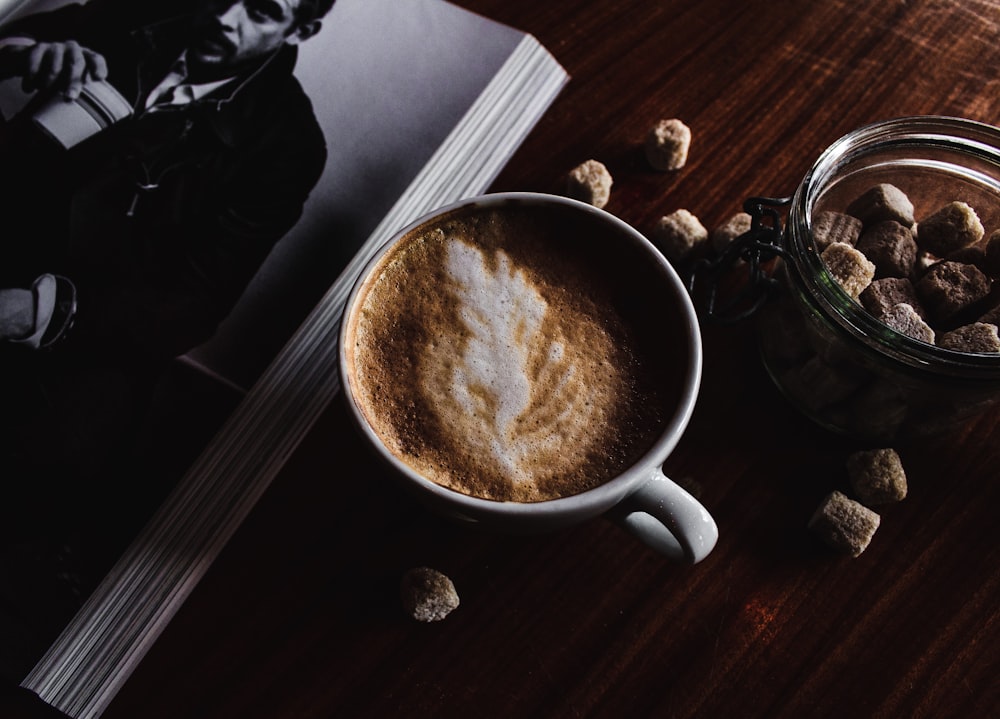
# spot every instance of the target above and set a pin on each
(61, 67)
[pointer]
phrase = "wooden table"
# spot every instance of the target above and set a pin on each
(300, 616)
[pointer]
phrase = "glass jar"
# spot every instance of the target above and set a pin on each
(833, 360)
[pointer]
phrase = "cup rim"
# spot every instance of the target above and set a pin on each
(596, 499)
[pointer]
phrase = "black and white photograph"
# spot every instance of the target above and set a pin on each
(442, 359)
(181, 183)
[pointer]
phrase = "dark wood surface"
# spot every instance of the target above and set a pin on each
(300, 615)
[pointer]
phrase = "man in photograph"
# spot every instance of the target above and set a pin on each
(126, 247)
(161, 219)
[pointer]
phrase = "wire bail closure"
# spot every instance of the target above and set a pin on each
(758, 245)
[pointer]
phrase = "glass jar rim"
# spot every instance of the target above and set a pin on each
(957, 134)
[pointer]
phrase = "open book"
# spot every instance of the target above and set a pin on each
(421, 103)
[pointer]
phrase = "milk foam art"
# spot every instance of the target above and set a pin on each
(508, 383)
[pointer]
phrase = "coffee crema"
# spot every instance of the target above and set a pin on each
(509, 353)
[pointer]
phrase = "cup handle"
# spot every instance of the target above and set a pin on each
(668, 519)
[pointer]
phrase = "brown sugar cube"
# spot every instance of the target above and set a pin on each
(991, 249)
(427, 594)
(678, 234)
(952, 227)
(590, 182)
(878, 410)
(849, 267)
(925, 260)
(905, 320)
(844, 524)
(667, 144)
(877, 476)
(891, 247)
(782, 334)
(991, 316)
(722, 236)
(949, 287)
(829, 227)
(978, 337)
(884, 294)
(880, 203)
(818, 384)
(971, 255)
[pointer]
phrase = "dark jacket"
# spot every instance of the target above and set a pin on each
(162, 219)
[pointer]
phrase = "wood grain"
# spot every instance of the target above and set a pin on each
(300, 618)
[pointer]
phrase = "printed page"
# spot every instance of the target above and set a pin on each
(420, 104)
(389, 82)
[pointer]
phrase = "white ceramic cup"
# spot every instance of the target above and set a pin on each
(641, 499)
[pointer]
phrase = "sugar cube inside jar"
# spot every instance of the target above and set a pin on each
(885, 327)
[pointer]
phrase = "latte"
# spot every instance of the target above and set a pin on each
(518, 352)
